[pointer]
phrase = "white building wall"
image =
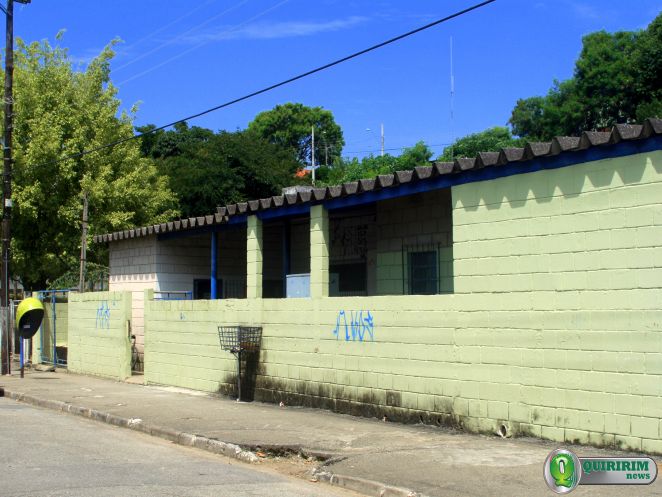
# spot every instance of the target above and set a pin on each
(180, 261)
(133, 269)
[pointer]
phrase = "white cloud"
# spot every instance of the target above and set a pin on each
(586, 11)
(274, 30)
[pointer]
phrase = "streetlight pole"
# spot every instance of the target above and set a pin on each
(6, 180)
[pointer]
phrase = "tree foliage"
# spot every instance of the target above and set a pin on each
(290, 125)
(617, 79)
(207, 169)
(490, 140)
(354, 169)
(60, 111)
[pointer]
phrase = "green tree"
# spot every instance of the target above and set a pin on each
(605, 77)
(617, 79)
(224, 168)
(490, 140)
(354, 169)
(162, 144)
(289, 126)
(648, 71)
(60, 111)
(418, 155)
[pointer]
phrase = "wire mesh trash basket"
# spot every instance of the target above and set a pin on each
(238, 339)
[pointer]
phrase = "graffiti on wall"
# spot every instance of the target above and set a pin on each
(103, 315)
(355, 326)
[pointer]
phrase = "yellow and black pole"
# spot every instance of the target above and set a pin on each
(29, 315)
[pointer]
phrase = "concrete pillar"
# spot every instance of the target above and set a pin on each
(254, 258)
(319, 252)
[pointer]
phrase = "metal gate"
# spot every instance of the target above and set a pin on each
(7, 336)
(53, 333)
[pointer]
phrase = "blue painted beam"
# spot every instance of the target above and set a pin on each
(214, 261)
(287, 211)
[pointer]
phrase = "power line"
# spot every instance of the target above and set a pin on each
(376, 151)
(276, 85)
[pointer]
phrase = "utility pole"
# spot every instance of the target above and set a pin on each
(6, 181)
(326, 150)
(382, 126)
(312, 151)
(83, 247)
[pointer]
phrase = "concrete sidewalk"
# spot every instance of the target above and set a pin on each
(366, 455)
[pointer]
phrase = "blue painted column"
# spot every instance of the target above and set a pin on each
(214, 262)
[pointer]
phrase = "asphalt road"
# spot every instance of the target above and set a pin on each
(45, 453)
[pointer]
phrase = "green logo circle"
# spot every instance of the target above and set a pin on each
(562, 471)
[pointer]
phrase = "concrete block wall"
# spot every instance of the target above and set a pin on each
(272, 264)
(133, 268)
(99, 334)
(554, 329)
(424, 221)
(172, 265)
(573, 257)
(232, 262)
(299, 246)
(180, 261)
(319, 252)
(55, 320)
(254, 258)
(353, 238)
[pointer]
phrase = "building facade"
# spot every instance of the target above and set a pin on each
(515, 293)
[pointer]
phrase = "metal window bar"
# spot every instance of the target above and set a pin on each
(411, 281)
(234, 288)
(238, 339)
(174, 295)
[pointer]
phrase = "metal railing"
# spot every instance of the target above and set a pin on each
(174, 295)
(51, 356)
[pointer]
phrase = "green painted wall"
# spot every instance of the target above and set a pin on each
(554, 328)
(99, 334)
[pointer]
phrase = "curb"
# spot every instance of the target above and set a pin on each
(367, 487)
(181, 438)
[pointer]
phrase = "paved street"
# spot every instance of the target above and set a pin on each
(434, 461)
(45, 453)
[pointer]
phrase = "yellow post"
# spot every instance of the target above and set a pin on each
(319, 252)
(254, 258)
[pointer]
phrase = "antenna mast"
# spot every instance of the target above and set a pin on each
(452, 101)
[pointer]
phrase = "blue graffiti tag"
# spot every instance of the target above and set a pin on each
(361, 326)
(103, 315)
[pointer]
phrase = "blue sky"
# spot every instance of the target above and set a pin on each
(180, 57)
